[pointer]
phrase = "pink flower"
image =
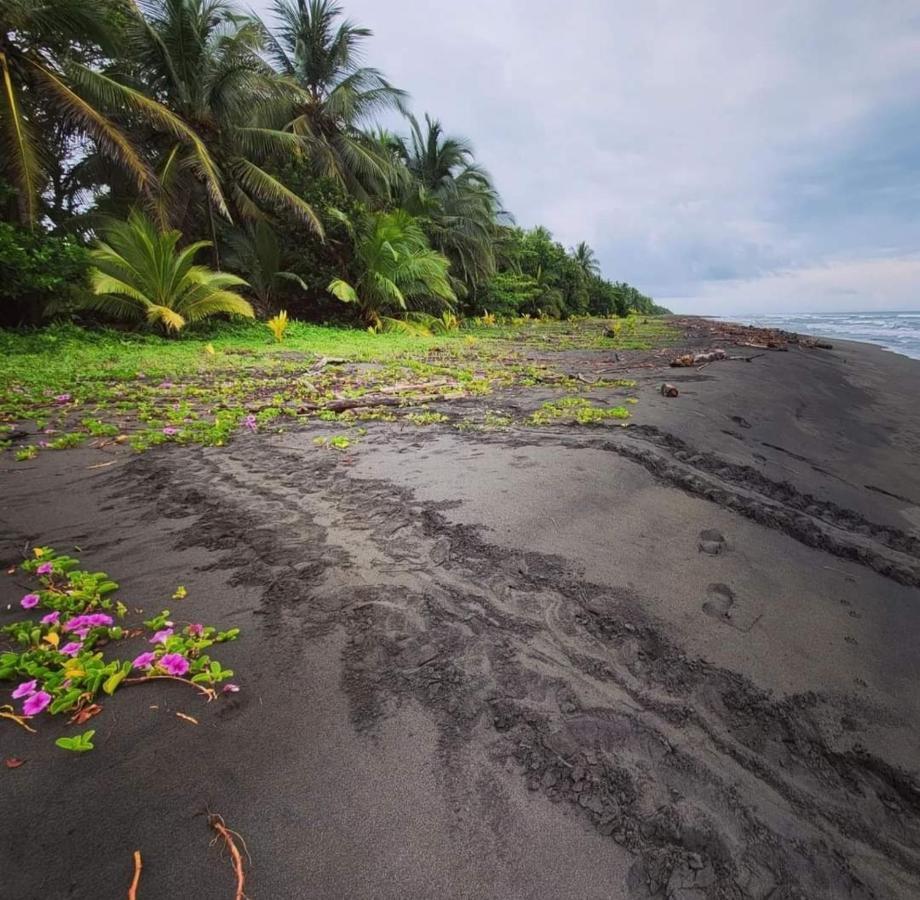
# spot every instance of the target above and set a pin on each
(36, 703)
(250, 423)
(26, 689)
(97, 620)
(165, 384)
(195, 630)
(71, 649)
(174, 663)
(169, 431)
(143, 661)
(62, 398)
(230, 689)
(162, 636)
(45, 569)
(51, 618)
(29, 601)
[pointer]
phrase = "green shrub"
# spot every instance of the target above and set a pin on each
(42, 275)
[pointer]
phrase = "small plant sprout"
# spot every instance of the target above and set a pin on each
(278, 324)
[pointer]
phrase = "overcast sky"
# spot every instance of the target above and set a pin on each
(726, 157)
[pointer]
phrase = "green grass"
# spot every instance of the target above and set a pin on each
(89, 386)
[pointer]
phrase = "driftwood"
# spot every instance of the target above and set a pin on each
(694, 359)
(772, 345)
(669, 390)
(324, 361)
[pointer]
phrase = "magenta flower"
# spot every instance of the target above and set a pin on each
(230, 689)
(161, 636)
(165, 384)
(250, 423)
(174, 663)
(143, 661)
(169, 431)
(71, 649)
(36, 703)
(26, 689)
(45, 569)
(195, 630)
(29, 601)
(62, 398)
(51, 618)
(97, 620)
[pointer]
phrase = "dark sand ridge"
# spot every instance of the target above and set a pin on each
(676, 659)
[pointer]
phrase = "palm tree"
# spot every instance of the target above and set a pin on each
(202, 59)
(256, 251)
(140, 275)
(395, 268)
(454, 196)
(587, 261)
(337, 95)
(40, 78)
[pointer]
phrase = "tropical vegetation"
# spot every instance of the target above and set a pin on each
(138, 134)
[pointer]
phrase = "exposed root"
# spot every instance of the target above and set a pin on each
(136, 880)
(218, 824)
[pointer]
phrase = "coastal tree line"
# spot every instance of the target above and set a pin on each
(166, 160)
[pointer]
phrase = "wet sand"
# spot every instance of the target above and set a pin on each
(676, 659)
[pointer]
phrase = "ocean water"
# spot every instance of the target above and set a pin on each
(897, 331)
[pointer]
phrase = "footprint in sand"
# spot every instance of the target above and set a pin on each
(712, 542)
(719, 602)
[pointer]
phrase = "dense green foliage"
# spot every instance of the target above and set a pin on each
(40, 274)
(262, 139)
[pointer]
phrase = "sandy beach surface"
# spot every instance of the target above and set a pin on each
(677, 659)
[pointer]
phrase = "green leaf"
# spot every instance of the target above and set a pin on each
(112, 682)
(80, 743)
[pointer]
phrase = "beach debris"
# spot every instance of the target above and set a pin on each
(217, 823)
(136, 880)
(13, 762)
(694, 359)
(669, 390)
(182, 715)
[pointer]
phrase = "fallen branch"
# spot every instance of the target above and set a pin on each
(138, 865)
(218, 824)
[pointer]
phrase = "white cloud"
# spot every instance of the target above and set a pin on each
(837, 285)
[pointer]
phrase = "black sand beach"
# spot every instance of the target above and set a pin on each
(675, 659)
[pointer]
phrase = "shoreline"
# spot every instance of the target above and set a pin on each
(764, 322)
(527, 661)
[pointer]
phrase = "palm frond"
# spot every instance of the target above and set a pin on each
(268, 189)
(22, 152)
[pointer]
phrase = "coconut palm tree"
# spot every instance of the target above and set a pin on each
(141, 275)
(201, 58)
(453, 196)
(315, 49)
(43, 81)
(395, 269)
(586, 259)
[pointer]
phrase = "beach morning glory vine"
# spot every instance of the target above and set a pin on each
(60, 661)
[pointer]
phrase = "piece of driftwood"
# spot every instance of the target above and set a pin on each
(694, 359)
(669, 390)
